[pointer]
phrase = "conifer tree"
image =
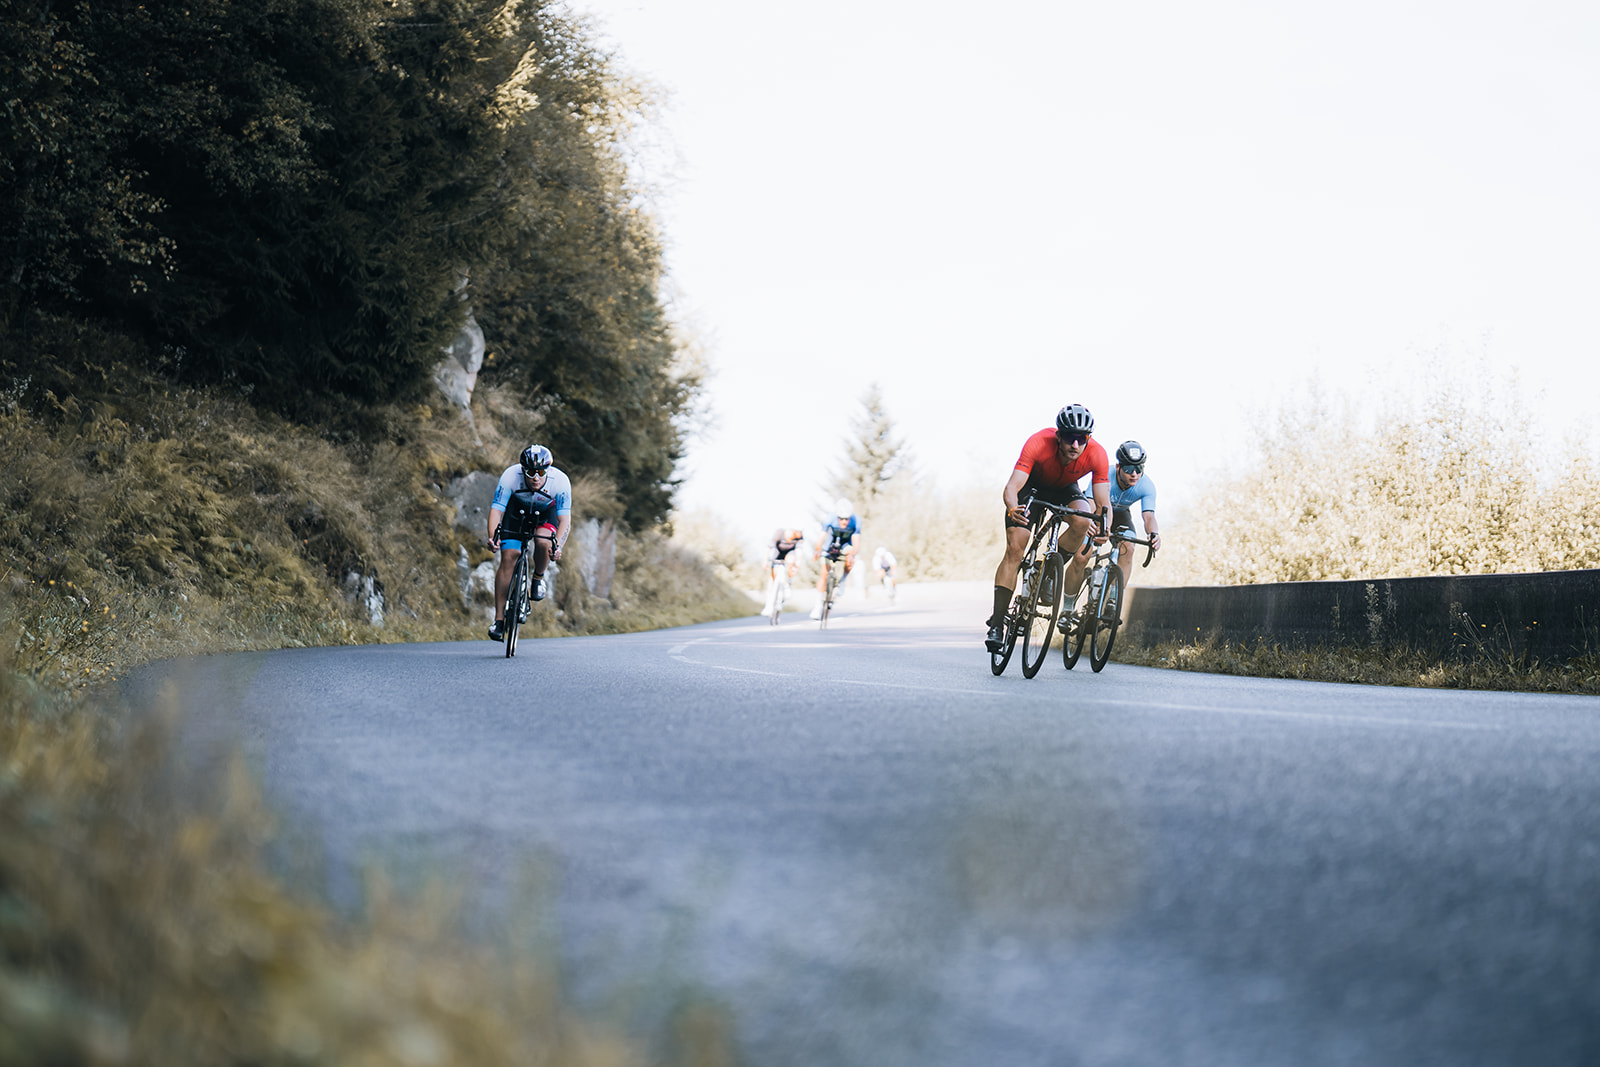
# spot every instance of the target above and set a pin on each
(873, 454)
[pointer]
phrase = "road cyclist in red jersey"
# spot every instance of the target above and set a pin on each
(1051, 468)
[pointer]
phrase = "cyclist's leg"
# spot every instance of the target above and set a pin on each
(1074, 544)
(1125, 563)
(1005, 575)
(543, 547)
(772, 587)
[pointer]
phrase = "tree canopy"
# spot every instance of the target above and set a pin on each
(304, 197)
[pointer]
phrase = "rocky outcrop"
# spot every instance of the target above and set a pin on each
(457, 373)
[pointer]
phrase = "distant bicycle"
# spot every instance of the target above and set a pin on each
(888, 583)
(1038, 593)
(780, 591)
(521, 522)
(835, 577)
(1096, 612)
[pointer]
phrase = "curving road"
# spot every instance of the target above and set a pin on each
(875, 853)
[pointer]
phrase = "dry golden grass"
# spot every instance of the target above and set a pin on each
(139, 925)
(1367, 666)
(1455, 483)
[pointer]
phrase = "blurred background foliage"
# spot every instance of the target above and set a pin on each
(1450, 479)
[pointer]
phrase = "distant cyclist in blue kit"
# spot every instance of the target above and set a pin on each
(549, 493)
(1130, 486)
(839, 540)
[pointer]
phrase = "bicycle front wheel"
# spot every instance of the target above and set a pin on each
(1078, 624)
(1039, 615)
(1010, 625)
(1107, 619)
(514, 600)
(827, 595)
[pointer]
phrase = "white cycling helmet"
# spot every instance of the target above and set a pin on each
(843, 508)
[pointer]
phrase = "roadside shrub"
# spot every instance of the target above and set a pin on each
(1450, 484)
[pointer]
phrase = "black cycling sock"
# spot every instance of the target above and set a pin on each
(1002, 598)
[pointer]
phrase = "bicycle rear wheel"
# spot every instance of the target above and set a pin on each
(518, 590)
(1107, 619)
(1077, 634)
(1039, 615)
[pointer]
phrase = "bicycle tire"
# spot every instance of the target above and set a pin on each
(827, 597)
(1039, 615)
(1072, 643)
(1105, 634)
(514, 597)
(1008, 626)
(779, 595)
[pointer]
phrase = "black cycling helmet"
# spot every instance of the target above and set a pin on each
(1131, 454)
(1074, 418)
(535, 459)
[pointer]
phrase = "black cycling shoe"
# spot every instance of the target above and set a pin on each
(996, 638)
(497, 631)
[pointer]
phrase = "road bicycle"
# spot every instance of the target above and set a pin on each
(518, 525)
(888, 583)
(1096, 612)
(834, 579)
(1038, 592)
(780, 592)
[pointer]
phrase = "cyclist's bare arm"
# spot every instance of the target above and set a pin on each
(1011, 494)
(494, 527)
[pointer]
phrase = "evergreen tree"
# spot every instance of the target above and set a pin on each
(873, 454)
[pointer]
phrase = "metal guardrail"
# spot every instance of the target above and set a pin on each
(1550, 617)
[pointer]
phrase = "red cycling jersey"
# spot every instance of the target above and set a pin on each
(1042, 464)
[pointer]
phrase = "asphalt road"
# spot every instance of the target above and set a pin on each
(873, 852)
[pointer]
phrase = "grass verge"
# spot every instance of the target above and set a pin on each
(1402, 667)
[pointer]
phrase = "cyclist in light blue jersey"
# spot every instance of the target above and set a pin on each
(1131, 487)
(545, 491)
(839, 540)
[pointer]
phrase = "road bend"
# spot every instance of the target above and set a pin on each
(874, 852)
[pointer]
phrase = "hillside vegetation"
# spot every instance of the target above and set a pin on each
(239, 235)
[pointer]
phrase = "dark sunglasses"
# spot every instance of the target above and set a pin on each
(1074, 438)
(1130, 468)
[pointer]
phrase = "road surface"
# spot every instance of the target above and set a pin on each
(873, 852)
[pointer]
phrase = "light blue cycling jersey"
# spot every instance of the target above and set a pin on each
(1142, 493)
(556, 484)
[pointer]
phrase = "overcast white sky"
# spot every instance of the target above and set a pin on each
(1170, 212)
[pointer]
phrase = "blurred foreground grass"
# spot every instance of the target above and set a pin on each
(139, 925)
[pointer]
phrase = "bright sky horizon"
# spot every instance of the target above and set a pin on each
(1174, 214)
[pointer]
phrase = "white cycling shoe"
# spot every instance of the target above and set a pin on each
(816, 612)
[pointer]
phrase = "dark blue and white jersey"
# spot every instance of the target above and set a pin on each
(839, 533)
(556, 484)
